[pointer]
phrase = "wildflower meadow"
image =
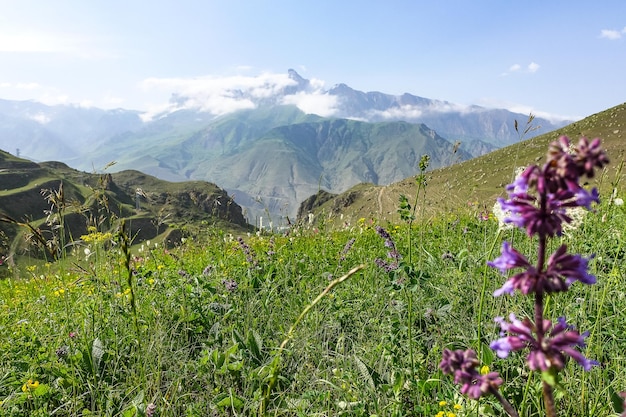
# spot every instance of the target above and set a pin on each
(519, 312)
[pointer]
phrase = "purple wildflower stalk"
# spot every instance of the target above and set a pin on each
(392, 254)
(346, 249)
(538, 202)
(247, 250)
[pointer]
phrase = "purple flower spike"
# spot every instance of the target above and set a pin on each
(540, 201)
(463, 363)
(590, 156)
(558, 343)
(509, 259)
(570, 268)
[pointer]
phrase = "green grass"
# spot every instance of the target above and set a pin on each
(194, 347)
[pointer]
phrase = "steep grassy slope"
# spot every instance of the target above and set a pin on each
(60, 203)
(479, 181)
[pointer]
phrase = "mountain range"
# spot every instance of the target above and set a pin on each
(277, 146)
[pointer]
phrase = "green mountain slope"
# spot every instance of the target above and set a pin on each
(60, 203)
(479, 181)
(272, 158)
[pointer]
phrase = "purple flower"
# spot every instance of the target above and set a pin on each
(387, 266)
(346, 249)
(462, 364)
(562, 270)
(509, 259)
(558, 343)
(568, 268)
(590, 156)
(458, 360)
(383, 233)
(230, 284)
(392, 254)
(247, 250)
(539, 197)
(150, 409)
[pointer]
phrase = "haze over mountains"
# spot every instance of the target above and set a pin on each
(271, 145)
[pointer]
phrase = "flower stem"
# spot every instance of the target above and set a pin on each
(481, 303)
(548, 399)
(548, 394)
(505, 404)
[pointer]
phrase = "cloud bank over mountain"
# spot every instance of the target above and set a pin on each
(224, 95)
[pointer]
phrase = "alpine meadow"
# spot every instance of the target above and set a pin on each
(489, 287)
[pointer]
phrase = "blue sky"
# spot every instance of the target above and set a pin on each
(556, 58)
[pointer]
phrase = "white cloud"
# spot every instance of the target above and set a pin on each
(402, 112)
(515, 67)
(32, 42)
(319, 103)
(222, 95)
(33, 91)
(524, 109)
(40, 118)
(53, 99)
(411, 112)
(111, 100)
(79, 45)
(612, 34)
(533, 67)
(20, 86)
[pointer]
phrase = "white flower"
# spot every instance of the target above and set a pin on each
(618, 202)
(501, 215)
(577, 214)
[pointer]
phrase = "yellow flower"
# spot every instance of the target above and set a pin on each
(440, 414)
(484, 370)
(151, 281)
(30, 385)
(457, 406)
(450, 415)
(442, 403)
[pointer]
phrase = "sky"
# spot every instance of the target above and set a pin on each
(556, 59)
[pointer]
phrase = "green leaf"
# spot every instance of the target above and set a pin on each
(97, 352)
(255, 344)
(366, 372)
(487, 354)
(130, 411)
(235, 366)
(41, 390)
(230, 400)
(616, 400)
(550, 376)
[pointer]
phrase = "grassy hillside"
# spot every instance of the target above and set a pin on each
(56, 204)
(477, 182)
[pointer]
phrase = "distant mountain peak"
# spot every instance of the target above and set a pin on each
(293, 74)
